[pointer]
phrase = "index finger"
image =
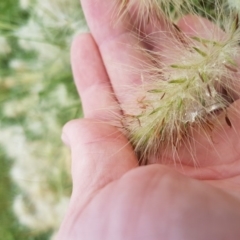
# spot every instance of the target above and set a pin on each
(117, 44)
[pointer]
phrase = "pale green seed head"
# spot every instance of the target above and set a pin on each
(186, 85)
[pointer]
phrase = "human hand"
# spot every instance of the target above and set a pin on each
(112, 197)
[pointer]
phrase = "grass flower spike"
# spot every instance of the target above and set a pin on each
(186, 84)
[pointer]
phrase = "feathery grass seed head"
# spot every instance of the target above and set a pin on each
(188, 82)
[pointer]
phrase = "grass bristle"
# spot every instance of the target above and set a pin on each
(187, 82)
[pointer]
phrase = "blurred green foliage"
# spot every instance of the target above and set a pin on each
(11, 18)
(10, 229)
(11, 13)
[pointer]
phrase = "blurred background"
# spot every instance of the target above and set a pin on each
(37, 97)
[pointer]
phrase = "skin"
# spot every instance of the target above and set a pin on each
(114, 198)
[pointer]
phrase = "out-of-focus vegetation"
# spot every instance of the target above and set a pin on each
(37, 96)
(10, 227)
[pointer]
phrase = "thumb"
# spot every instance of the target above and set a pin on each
(100, 155)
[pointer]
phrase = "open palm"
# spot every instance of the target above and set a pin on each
(114, 198)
